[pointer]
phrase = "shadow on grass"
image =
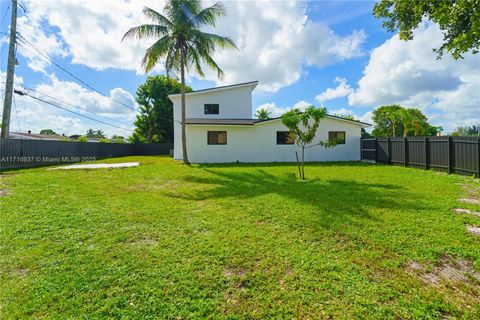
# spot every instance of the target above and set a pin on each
(331, 201)
(283, 164)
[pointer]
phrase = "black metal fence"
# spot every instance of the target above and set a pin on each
(17, 153)
(450, 154)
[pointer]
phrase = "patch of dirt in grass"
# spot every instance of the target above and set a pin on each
(235, 294)
(231, 272)
(3, 191)
(470, 188)
(18, 272)
(466, 211)
(473, 229)
(447, 269)
(155, 184)
(144, 242)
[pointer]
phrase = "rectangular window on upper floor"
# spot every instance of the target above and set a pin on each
(211, 108)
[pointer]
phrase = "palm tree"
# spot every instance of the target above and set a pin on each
(181, 42)
(262, 114)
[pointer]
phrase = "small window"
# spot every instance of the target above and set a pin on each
(337, 135)
(217, 137)
(212, 108)
(284, 137)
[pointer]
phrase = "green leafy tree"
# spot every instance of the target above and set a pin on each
(118, 139)
(262, 114)
(303, 128)
(397, 121)
(154, 122)
(99, 134)
(467, 131)
(414, 122)
(365, 133)
(459, 21)
(387, 121)
(179, 39)
(47, 132)
(346, 116)
(82, 139)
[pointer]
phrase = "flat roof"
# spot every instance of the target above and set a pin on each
(251, 122)
(253, 84)
(244, 122)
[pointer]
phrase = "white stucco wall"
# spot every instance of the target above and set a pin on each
(234, 103)
(258, 143)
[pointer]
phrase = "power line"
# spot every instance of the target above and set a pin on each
(5, 14)
(69, 104)
(21, 38)
(22, 93)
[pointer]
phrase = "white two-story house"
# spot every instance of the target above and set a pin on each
(220, 128)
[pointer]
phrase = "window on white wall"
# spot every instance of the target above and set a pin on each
(211, 108)
(337, 135)
(216, 137)
(284, 137)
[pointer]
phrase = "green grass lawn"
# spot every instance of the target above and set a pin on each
(166, 240)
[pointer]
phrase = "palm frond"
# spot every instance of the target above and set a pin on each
(172, 60)
(181, 12)
(145, 31)
(207, 58)
(158, 49)
(212, 40)
(193, 57)
(157, 17)
(208, 16)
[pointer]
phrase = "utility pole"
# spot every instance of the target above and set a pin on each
(7, 103)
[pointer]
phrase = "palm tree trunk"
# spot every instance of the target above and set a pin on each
(182, 92)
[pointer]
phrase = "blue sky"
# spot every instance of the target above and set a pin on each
(330, 53)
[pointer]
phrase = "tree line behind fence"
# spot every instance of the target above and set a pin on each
(450, 154)
(17, 153)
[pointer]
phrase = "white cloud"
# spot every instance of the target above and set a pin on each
(50, 44)
(342, 90)
(272, 108)
(88, 31)
(276, 39)
(341, 112)
(276, 111)
(29, 114)
(408, 73)
(301, 105)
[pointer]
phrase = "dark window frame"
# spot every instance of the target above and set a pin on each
(213, 140)
(215, 108)
(336, 132)
(281, 136)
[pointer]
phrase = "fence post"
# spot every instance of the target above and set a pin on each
(361, 149)
(449, 154)
(389, 151)
(376, 149)
(426, 153)
(405, 158)
(478, 156)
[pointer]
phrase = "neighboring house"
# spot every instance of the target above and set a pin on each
(89, 139)
(34, 136)
(220, 128)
